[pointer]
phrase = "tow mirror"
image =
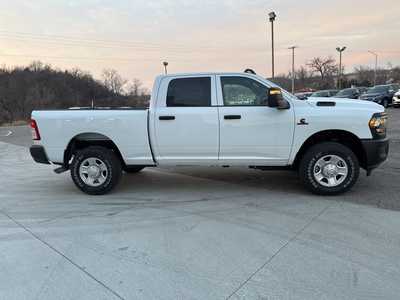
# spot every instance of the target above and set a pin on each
(275, 99)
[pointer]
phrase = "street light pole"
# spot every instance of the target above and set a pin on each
(376, 65)
(272, 17)
(293, 74)
(340, 50)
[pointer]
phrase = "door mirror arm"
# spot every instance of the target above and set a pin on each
(284, 105)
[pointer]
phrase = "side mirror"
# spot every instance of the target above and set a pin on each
(275, 99)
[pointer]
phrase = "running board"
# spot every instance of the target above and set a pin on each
(61, 170)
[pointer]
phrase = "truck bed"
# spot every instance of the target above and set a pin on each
(126, 127)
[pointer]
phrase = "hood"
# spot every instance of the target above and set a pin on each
(353, 104)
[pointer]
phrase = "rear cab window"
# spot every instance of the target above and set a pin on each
(189, 92)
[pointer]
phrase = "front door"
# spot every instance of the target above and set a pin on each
(251, 133)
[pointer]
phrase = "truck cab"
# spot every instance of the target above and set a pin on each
(216, 119)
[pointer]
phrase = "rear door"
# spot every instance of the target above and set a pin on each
(186, 121)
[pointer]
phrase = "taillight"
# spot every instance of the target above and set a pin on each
(35, 131)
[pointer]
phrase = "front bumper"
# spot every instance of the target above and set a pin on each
(396, 100)
(376, 151)
(39, 154)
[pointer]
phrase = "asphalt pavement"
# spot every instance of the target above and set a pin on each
(195, 233)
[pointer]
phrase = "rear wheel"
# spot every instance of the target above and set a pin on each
(385, 103)
(329, 169)
(96, 170)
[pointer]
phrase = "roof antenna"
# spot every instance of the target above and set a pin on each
(250, 71)
(165, 63)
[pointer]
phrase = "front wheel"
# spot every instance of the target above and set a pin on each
(329, 169)
(96, 170)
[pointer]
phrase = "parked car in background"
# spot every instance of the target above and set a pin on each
(396, 86)
(324, 93)
(363, 89)
(396, 99)
(381, 94)
(304, 95)
(351, 93)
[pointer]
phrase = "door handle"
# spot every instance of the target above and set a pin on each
(233, 117)
(166, 118)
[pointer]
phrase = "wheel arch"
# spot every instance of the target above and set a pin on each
(343, 137)
(87, 139)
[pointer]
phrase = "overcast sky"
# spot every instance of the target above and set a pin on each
(134, 37)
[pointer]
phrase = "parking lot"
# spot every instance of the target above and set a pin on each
(196, 233)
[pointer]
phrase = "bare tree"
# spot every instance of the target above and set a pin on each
(40, 86)
(364, 75)
(135, 88)
(283, 80)
(323, 66)
(304, 77)
(113, 81)
(326, 68)
(36, 66)
(395, 74)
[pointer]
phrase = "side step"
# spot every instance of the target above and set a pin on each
(61, 170)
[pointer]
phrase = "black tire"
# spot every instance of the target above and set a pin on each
(314, 154)
(385, 103)
(110, 160)
(133, 169)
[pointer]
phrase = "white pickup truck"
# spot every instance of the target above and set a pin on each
(216, 119)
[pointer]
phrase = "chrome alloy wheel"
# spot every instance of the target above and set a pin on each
(93, 171)
(330, 171)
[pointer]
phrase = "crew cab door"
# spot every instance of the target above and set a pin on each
(251, 133)
(186, 121)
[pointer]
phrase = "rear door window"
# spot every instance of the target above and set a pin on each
(189, 92)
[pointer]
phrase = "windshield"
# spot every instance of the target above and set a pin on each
(346, 92)
(378, 89)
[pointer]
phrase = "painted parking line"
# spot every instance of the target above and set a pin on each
(8, 133)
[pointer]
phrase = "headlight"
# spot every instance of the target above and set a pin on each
(378, 125)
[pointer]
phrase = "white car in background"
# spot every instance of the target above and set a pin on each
(396, 99)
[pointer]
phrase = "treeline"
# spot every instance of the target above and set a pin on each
(41, 86)
(322, 73)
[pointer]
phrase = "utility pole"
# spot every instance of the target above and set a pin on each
(165, 63)
(272, 17)
(340, 50)
(376, 65)
(293, 73)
